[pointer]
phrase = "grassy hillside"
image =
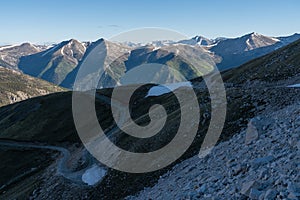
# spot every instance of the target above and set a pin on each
(15, 86)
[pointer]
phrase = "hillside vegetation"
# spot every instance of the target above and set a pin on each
(15, 87)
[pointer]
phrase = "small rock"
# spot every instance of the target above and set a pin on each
(263, 174)
(282, 195)
(246, 187)
(292, 187)
(294, 196)
(236, 170)
(278, 181)
(207, 195)
(233, 190)
(270, 194)
(202, 189)
(263, 160)
(266, 184)
(230, 162)
(262, 196)
(193, 195)
(293, 142)
(187, 186)
(254, 193)
(251, 133)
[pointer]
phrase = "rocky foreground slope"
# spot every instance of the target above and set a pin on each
(260, 162)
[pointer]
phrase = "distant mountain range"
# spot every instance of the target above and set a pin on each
(59, 63)
(120, 59)
(280, 66)
(235, 52)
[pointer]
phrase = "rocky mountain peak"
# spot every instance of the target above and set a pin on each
(202, 40)
(255, 40)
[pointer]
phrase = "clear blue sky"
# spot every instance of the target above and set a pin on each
(41, 21)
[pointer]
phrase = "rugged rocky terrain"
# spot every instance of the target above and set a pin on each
(260, 162)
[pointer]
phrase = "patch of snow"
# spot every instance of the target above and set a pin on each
(212, 45)
(49, 46)
(200, 41)
(163, 89)
(295, 85)
(156, 48)
(275, 39)
(248, 42)
(62, 51)
(277, 48)
(8, 47)
(93, 175)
